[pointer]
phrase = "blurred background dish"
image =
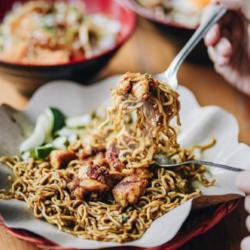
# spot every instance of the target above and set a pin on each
(177, 19)
(54, 33)
(178, 13)
(47, 40)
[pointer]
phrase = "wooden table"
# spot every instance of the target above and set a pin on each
(149, 51)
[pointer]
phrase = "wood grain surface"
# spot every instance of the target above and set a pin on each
(149, 51)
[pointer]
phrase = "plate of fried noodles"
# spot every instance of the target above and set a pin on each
(78, 165)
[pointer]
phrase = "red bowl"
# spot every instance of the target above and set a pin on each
(29, 77)
(149, 14)
(199, 222)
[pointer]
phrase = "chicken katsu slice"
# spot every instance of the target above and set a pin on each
(129, 190)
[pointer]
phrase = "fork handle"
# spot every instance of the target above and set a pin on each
(217, 11)
(212, 164)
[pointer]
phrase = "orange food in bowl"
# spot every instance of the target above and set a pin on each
(200, 3)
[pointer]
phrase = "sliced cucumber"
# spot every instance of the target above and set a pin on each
(78, 121)
(59, 119)
(26, 155)
(43, 151)
(72, 135)
(42, 130)
(47, 123)
(73, 138)
(70, 131)
(65, 132)
(60, 142)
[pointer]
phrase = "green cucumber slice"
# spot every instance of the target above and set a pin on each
(78, 121)
(60, 142)
(58, 119)
(72, 138)
(41, 131)
(43, 151)
(48, 122)
(65, 132)
(26, 155)
(69, 132)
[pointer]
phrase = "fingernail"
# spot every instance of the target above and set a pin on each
(224, 47)
(223, 61)
(210, 37)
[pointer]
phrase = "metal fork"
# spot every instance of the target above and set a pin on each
(164, 162)
(170, 75)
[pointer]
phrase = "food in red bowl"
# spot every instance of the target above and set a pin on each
(46, 40)
(177, 13)
(175, 18)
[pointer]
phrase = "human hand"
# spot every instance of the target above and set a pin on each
(243, 183)
(228, 44)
